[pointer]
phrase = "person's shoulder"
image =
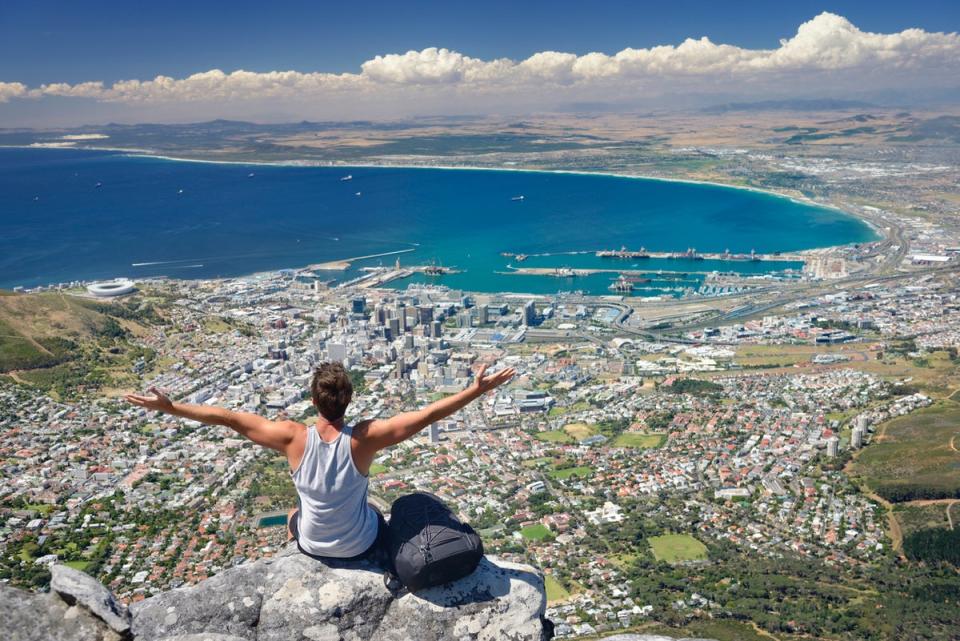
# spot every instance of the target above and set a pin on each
(293, 427)
(361, 429)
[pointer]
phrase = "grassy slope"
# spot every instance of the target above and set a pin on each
(52, 340)
(915, 449)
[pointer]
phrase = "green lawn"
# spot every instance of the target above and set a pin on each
(554, 437)
(581, 471)
(643, 441)
(580, 431)
(537, 462)
(77, 565)
(674, 548)
(555, 590)
(535, 532)
(377, 468)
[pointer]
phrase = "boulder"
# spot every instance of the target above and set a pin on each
(290, 597)
(75, 587)
(293, 597)
(46, 617)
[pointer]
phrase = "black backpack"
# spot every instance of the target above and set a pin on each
(428, 544)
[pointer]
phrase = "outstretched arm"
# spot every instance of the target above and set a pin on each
(387, 432)
(276, 435)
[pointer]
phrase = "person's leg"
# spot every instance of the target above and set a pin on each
(292, 517)
(381, 553)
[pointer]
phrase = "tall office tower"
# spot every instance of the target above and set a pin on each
(358, 305)
(483, 315)
(394, 325)
(862, 423)
(437, 329)
(434, 433)
(856, 438)
(529, 313)
(425, 314)
(833, 444)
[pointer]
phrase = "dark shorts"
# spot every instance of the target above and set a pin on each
(378, 552)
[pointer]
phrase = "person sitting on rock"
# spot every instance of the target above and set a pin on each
(330, 461)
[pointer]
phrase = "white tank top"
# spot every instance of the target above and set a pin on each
(335, 519)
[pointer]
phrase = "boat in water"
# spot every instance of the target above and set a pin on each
(346, 178)
(622, 284)
(517, 198)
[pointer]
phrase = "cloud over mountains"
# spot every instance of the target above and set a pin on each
(827, 51)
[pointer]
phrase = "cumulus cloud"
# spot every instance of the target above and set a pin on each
(828, 45)
(10, 90)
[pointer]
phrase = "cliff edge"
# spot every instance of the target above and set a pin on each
(289, 597)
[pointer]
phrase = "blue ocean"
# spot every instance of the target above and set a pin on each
(75, 214)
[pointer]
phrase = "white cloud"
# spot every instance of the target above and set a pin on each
(10, 90)
(828, 45)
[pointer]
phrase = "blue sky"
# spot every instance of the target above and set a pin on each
(70, 41)
(93, 61)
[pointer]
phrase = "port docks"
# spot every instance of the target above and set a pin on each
(690, 254)
(381, 275)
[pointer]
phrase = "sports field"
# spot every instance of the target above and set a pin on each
(641, 441)
(674, 548)
(536, 532)
(554, 437)
(560, 475)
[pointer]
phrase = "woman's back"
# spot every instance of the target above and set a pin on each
(334, 518)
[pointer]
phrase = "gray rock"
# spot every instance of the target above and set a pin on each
(499, 601)
(203, 636)
(75, 587)
(305, 598)
(45, 617)
(293, 597)
(228, 603)
(289, 598)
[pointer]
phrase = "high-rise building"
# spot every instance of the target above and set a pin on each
(434, 433)
(833, 444)
(425, 314)
(437, 329)
(483, 315)
(856, 438)
(358, 305)
(529, 313)
(336, 352)
(401, 367)
(394, 325)
(862, 423)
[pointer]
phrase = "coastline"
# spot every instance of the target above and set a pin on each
(344, 263)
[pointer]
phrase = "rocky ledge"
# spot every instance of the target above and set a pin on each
(288, 598)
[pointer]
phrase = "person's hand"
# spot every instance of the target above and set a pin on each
(483, 383)
(156, 401)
